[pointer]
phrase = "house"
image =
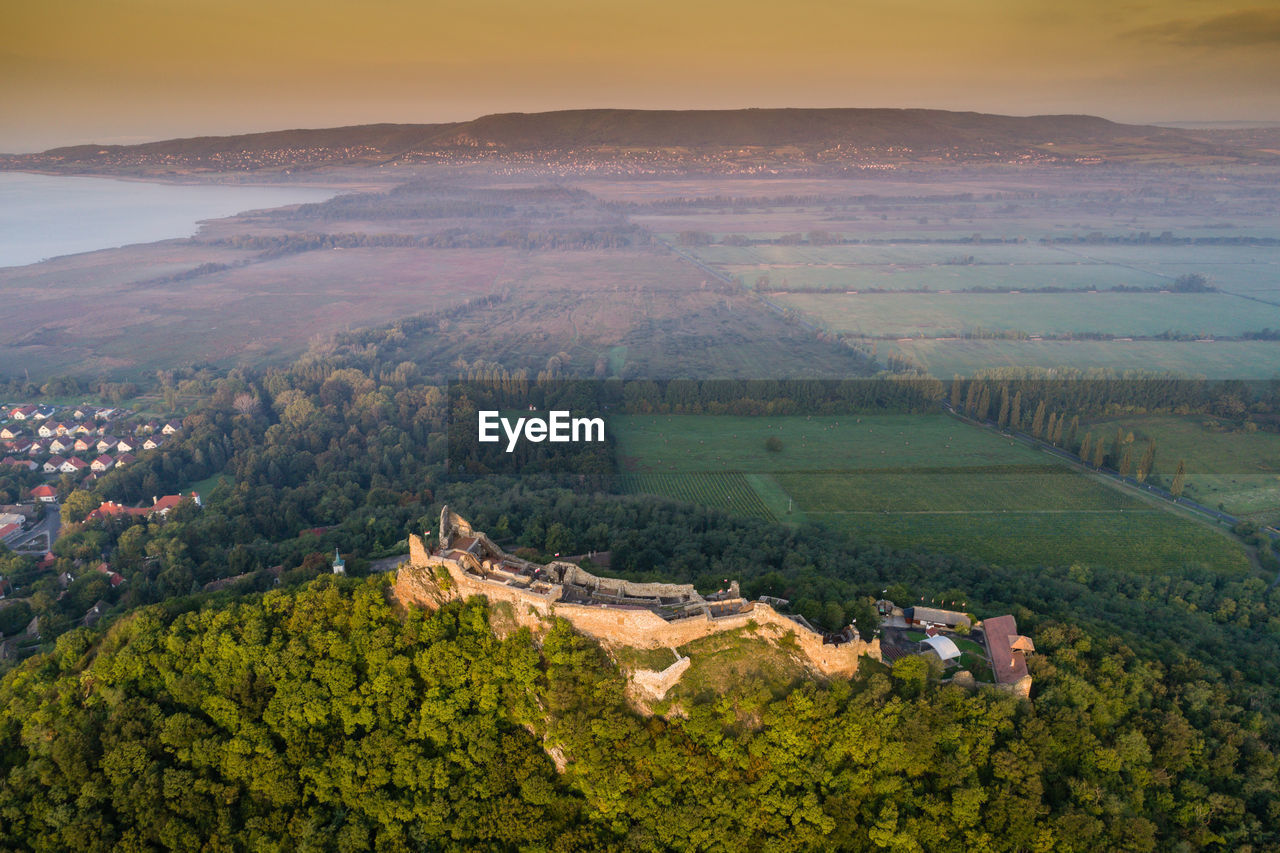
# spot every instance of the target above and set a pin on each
(1008, 652)
(21, 445)
(85, 429)
(106, 443)
(106, 414)
(61, 444)
(926, 617)
(115, 578)
(7, 530)
(44, 412)
(82, 412)
(125, 459)
(47, 430)
(45, 494)
(161, 506)
(171, 427)
(126, 445)
(83, 444)
(152, 443)
(74, 465)
(65, 580)
(94, 614)
(38, 448)
(11, 432)
(22, 413)
(110, 509)
(53, 464)
(147, 428)
(19, 463)
(102, 463)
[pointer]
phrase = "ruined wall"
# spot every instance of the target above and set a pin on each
(1021, 687)
(415, 583)
(654, 685)
(574, 574)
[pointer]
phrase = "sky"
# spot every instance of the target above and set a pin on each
(120, 71)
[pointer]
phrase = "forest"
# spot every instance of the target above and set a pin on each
(291, 711)
(318, 718)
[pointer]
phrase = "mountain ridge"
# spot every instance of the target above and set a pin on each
(812, 135)
(753, 126)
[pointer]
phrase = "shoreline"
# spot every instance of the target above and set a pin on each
(191, 226)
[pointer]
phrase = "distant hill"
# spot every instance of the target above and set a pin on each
(798, 133)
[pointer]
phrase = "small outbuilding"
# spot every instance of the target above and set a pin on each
(932, 617)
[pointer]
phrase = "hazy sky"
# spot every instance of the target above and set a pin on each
(128, 70)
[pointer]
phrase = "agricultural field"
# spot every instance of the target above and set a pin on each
(632, 312)
(1057, 314)
(941, 277)
(1229, 467)
(727, 491)
(521, 272)
(894, 256)
(915, 481)
(1210, 359)
(688, 443)
(1251, 270)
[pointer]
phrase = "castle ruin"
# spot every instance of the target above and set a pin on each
(466, 563)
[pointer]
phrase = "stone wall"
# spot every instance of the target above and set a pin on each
(654, 685)
(574, 574)
(635, 627)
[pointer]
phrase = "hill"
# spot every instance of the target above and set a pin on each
(320, 718)
(807, 135)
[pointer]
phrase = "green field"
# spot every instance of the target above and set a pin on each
(726, 491)
(1213, 360)
(943, 277)
(1239, 470)
(687, 443)
(912, 481)
(950, 314)
(872, 288)
(1042, 489)
(885, 253)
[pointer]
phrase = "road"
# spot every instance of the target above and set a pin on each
(51, 525)
(1147, 488)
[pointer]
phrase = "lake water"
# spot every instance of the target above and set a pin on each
(43, 216)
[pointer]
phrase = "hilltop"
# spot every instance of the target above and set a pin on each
(703, 139)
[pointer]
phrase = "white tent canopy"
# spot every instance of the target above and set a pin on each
(944, 646)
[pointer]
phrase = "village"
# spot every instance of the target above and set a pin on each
(82, 441)
(61, 448)
(72, 446)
